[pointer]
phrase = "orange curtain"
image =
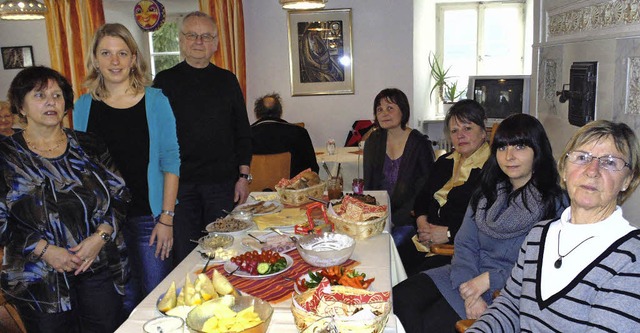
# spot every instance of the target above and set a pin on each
(70, 28)
(230, 55)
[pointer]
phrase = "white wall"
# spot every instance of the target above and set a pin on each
(382, 53)
(22, 33)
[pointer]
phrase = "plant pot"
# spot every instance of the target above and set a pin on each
(443, 108)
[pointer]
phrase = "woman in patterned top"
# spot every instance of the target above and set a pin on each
(61, 204)
(580, 273)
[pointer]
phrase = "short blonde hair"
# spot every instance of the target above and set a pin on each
(625, 141)
(138, 76)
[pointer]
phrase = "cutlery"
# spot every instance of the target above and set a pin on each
(277, 231)
(256, 238)
(204, 270)
(205, 255)
(326, 203)
(326, 169)
(232, 272)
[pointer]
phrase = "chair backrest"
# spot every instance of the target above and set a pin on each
(301, 124)
(494, 128)
(267, 170)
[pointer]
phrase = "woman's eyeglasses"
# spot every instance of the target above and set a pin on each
(207, 38)
(610, 163)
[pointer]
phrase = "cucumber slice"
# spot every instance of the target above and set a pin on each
(263, 268)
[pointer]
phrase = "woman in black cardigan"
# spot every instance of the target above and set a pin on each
(396, 159)
(441, 204)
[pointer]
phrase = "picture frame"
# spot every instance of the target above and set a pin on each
(320, 52)
(15, 57)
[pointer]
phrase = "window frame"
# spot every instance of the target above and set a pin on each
(149, 36)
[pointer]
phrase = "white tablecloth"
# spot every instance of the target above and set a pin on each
(377, 255)
(348, 161)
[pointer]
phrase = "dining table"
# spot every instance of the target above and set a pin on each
(350, 160)
(376, 256)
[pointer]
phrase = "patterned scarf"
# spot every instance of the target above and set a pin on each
(509, 218)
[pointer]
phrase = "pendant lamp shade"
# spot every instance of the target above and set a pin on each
(22, 10)
(302, 4)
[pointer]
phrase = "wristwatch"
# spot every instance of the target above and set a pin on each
(104, 235)
(247, 176)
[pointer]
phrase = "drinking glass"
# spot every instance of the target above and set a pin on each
(334, 187)
(358, 185)
(165, 324)
(331, 147)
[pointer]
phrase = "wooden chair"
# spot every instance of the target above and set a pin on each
(267, 170)
(301, 124)
(10, 321)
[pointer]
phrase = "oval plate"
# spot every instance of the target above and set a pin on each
(259, 208)
(247, 226)
(272, 241)
(230, 267)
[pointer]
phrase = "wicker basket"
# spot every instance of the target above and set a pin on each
(304, 319)
(358, 229)
(301, 196)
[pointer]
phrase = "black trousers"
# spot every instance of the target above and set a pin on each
(421, 308)
(198, 205)
(95, 308)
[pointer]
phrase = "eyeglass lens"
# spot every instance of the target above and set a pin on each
(604, 162)
(203, 37)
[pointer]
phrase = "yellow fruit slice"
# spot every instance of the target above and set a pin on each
(204, 286)
(211, 325)
(189, 292)
(180, 300)
(221, 284)
(169, 300)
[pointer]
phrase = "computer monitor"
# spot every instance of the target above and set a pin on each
(500, 95)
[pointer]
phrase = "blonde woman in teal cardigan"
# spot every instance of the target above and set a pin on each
(138, 125)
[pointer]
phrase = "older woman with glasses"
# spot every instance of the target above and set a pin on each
(581, 272)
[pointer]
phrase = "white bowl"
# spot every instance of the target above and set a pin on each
(326, 250)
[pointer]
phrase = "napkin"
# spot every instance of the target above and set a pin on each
(285, 218)
(327, 302)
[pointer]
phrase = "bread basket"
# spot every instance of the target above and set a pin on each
(358, 229)
(301, 196)
(303, 319)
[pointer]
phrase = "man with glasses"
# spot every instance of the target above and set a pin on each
(213, 133)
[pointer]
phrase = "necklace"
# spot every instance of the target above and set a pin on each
(46, 150)
(558, 262)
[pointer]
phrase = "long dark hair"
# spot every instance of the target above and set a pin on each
(521, 129)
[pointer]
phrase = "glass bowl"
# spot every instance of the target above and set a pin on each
(326, 250)
(201, 313)
(212, 242)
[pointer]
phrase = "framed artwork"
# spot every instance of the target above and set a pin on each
(320, 52)
(17, 57)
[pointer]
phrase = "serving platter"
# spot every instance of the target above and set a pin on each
(259, 208)
(231, 267)
(272, 241)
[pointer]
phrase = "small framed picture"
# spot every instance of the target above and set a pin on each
(15, 57)
(320, 52)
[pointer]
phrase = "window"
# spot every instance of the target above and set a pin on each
(164, 46)
(490, 42)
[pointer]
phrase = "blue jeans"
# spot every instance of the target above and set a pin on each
(198, 205)
(147, 271)
(95, 307)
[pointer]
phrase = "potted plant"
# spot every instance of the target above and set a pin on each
(439, 75)
(448, 92)
(452, 93)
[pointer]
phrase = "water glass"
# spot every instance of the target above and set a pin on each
(165, 324)
(358, 185)
(331, 147)
(334, 187)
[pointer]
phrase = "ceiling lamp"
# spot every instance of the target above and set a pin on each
(22, 10)
(302, 4)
